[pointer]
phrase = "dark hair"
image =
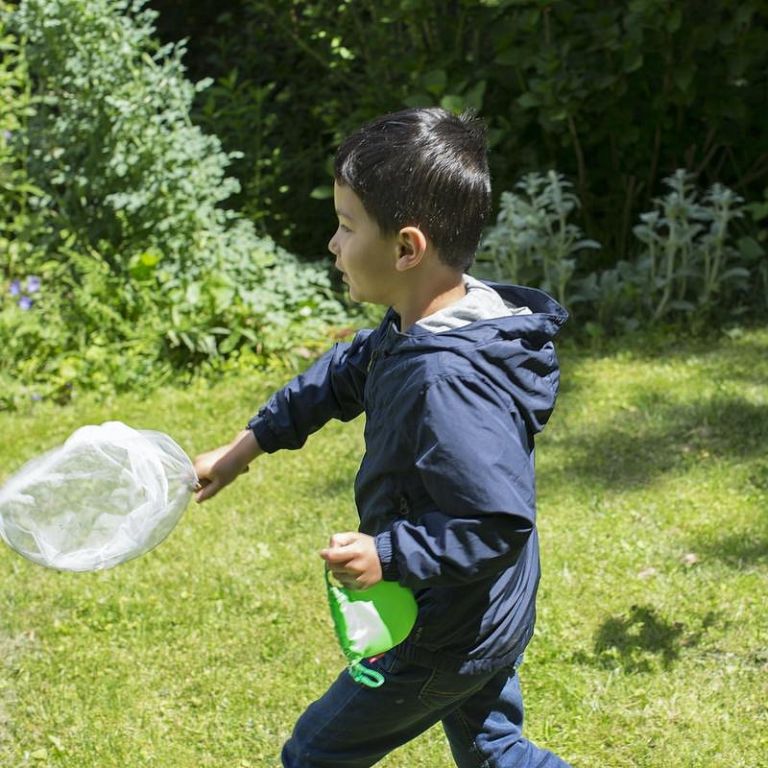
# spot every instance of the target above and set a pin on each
(425, 168)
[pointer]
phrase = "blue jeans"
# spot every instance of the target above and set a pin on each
(352, 726)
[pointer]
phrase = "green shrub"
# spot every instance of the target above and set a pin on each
(78, 329)
(687, 265)
(126, 169)
(16, 189)
(139, 271)
(532, 241)
(688, 262)
(753, 248)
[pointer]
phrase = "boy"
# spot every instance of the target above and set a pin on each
(454, 382)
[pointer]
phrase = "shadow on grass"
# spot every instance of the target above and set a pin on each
(737, 551)
(742, 548)
(654, 430)
(652, 437)
(736, 359)
(641, 640)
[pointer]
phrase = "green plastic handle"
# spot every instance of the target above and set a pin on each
(366, 676)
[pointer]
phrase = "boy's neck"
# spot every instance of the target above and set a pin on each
(425, 300)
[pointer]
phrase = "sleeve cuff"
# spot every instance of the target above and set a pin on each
(386, 556)
(264, 435)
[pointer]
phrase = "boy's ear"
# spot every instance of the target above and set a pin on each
(411, 247)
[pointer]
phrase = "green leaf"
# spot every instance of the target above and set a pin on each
(192, 294)
(589, 244)
(453, 102)
(223, 297)
(750, 249)
(735, 272)
(150, 258)
(434, 81)
(674, 19)
(473, 98)
(323, 192)
(683, 76)
(528, 100)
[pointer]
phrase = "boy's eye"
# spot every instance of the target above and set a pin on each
(344, 228)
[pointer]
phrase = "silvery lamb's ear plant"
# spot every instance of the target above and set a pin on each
(611, 298)
(687, 264)
(719, 258)
(753, 251)
(533, 241)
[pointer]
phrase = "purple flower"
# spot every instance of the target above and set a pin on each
(15, 288)
(33, 284)
(25, 303)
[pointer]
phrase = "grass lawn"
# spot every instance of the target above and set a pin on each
(652, 641)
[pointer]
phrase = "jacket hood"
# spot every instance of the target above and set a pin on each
(516, 351)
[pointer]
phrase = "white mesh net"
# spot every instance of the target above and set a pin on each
(109, 494)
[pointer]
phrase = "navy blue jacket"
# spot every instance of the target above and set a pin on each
(446, 485)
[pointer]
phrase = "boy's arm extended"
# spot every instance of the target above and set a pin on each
(331, 388)
(219, 467)
(476, 464)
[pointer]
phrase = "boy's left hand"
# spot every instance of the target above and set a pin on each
(352, 558)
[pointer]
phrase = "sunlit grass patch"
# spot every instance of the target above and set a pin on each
(651, 641)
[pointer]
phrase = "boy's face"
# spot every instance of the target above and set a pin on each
(363, 254)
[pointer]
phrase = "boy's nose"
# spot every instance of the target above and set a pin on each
(332, 246)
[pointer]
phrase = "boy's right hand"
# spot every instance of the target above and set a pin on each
(218, 468)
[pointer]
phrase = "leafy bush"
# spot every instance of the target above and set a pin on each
(685, 266)
(74, 331)
(689, 264)
(753, 249)
(139, 271)
(533, 241)
(16, 190)
(126, 169)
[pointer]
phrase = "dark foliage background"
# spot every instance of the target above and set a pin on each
(165, 169)
(615, 96)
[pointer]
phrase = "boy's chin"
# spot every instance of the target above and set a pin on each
(354, 295)
(364, 297)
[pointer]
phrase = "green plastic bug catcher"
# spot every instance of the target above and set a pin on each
(369, 622)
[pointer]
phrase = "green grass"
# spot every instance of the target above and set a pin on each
(652, 641)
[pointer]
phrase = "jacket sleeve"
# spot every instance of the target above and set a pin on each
(332, 388)
(475, 461)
